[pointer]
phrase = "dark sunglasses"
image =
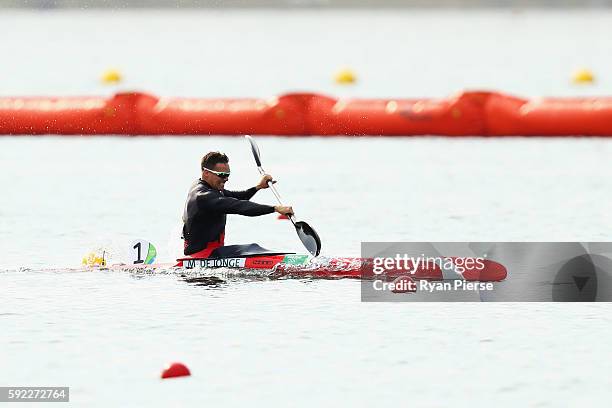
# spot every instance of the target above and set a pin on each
(222, 174)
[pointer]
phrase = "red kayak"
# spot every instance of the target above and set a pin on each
(251, 259)
(302, 266)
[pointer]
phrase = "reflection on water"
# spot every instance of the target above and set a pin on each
(207, 281)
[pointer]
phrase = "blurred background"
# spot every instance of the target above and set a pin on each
(306, 3)
(386, 48)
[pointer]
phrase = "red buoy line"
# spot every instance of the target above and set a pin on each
(304, 114)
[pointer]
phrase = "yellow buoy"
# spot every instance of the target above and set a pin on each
(345, 76)
(93, 259)
(111, 76)
(583, 76)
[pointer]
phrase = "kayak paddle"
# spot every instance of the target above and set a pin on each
(306, 233)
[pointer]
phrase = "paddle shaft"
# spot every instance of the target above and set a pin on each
(262, 172)
(305, 232)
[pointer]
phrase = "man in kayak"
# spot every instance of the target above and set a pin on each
(208, 203)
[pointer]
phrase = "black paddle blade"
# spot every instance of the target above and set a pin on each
(254, 149)
(309, 237)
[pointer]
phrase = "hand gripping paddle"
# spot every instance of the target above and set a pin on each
(306, 233)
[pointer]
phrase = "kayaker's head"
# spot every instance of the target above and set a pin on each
(215, 170)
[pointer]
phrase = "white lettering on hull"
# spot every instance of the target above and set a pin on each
(214, 263)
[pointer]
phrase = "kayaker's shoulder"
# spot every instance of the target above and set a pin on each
(200, 187)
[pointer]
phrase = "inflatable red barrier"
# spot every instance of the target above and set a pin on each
(311, 114)
(276, 116)
(510, 116)
(456, 116)
(67, 116)
(466, 114)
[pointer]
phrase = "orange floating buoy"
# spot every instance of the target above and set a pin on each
(175, 370)
(282, 217)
